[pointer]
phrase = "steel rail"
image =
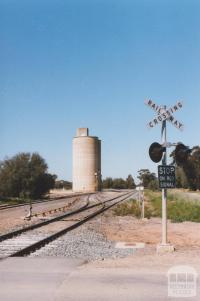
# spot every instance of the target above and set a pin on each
(54, 219)
(40, 243)
(4, 207)
(41, 224)
(29, 249)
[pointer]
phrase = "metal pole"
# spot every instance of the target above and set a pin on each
(164, 191)
(142, 204)
(139, 198)
(30, 212)
(29, 215)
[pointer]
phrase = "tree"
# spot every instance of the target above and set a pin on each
(181, 179)
(188, 173)
(195, 162)
(60, 184)
(145, 177)
(108, 183)
(153, 185)
(130, 183)
(119, 183)
(25, 175)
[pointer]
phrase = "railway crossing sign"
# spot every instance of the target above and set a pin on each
(165, 114)
(166, 173)
(166, 176)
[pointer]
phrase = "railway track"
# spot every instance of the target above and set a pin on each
(7, 206)
(27, 240)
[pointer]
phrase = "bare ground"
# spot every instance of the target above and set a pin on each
(185, 237)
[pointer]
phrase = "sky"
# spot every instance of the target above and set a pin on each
(66, 64)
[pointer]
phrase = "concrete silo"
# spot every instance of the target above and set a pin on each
(86, 162)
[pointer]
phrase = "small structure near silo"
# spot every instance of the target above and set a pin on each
(86, 162)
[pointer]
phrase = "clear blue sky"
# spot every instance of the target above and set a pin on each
(66, 64)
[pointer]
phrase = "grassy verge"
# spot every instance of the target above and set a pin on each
(131, 207)
(179, 208)
(14, 201)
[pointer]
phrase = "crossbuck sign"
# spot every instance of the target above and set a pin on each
(165, 114)
(166, 174)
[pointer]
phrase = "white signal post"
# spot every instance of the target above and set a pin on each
(141, 196)
(164, 191)
(164, 246)
(142, 214)
(164, 115)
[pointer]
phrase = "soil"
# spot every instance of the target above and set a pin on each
(184, 235)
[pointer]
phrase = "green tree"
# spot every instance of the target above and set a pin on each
(119, 183)
(153, 185)
(146, 177)
(108, 183)
(60, 184)
(181, 179)
(195, 161)
(188, 173)
(130, 183)
(25, 175)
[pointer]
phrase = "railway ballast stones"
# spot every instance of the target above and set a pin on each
(83, 244)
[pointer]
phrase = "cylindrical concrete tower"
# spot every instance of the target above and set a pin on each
(86, 162)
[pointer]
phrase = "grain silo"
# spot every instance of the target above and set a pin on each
(86, 162)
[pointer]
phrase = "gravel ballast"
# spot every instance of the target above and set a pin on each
(83, 244)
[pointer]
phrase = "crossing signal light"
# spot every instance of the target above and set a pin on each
(156, 152)
(181, 153)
